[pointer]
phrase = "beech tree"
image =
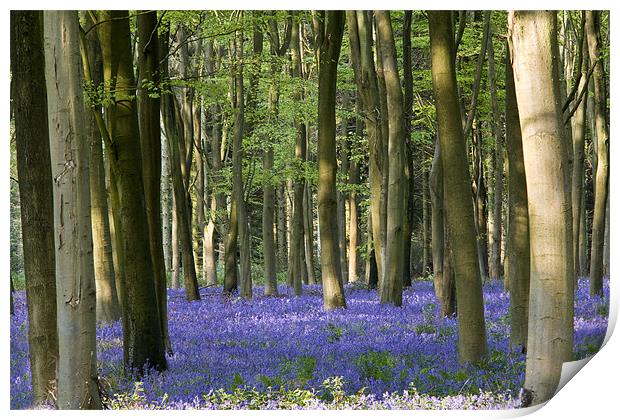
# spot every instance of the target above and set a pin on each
(592, 28)
(143, 343)
(333, 292)
(29, 106)
(458, 206)
(69, 151)
(550, 328)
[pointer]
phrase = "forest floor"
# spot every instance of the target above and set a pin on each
(287, 352)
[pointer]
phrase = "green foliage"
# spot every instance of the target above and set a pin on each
(334, 332)
(376, 365)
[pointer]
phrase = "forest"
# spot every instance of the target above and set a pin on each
(306, 209)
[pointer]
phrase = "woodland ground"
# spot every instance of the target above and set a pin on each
(288, 352)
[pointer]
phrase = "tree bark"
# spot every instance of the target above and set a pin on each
(333, 291)
(361, 40)
(150, 145)
(409, 219)
(142, 336)
(182, 217)
(550, 327)
(75, 292)
(32, 140)
(108, 308)
(457, 193)
(517, 262)
(392, 287)
(593, 33)
(495, 252)
(245, 279)
(297, 226)
(579, 140)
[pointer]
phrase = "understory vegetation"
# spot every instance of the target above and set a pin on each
(287, 353)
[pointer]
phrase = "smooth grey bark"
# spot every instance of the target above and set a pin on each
(517, 262)
(331, 275)
(550, 327)
(245, 279)
(392, 285)
(495, 222)
(108, 308)
(32, 143)
(143, 343)
(69, 152)
(593, 33)
(150, 146)
(362, 58)
(578, 168)
(459, 215)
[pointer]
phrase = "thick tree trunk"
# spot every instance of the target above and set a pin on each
(457, 192)
(142, 336)
(550, 327)
(361, 41)
(150, 145)
(108, 308)
(593, 33)
(517, 262)
(333, 291)
(32, 141)
(392, 287)
(443, 273)
(75, 292)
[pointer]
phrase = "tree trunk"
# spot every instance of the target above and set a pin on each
(392, 287)
(108, 308)
(142, 336)
(550, 328)
(269, 193)
(408, 222)
(579, 140)
(443, 277)
(333, 291)
(176, 252)
(517, 262)
(178, 168)
(32, 141)
(457, 193)
(354, 180)
(495, 254)
(150, 145)
(245, 279)
(75, 292)
(166, 204)
(309, 233)
(593, 32)
(231, 275)
(341, 212)
(361, 40)
(297, 226)
(480, 202)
